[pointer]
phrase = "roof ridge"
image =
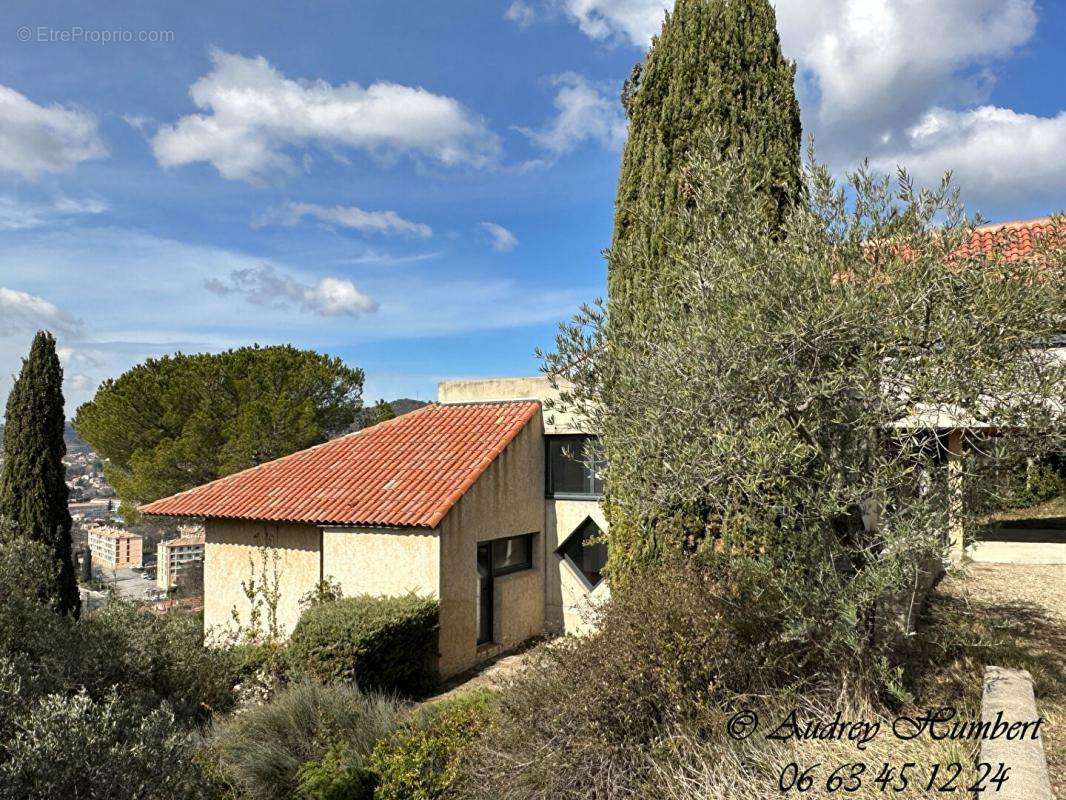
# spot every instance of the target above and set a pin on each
(308, 449)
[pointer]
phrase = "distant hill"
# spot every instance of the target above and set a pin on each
(75, 444)
(402, 406)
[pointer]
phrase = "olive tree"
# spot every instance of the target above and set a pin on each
(784, 395)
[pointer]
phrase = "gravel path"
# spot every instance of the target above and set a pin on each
(1026, 604)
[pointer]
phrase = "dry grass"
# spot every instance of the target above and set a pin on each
(1052, 509)
(1012, 616)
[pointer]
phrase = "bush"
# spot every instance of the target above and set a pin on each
(422, 758)
(377, 643)
(672, 651)
(261, 750)
(336, 776)
(73, 746)
(1034, 485)
(156, 659)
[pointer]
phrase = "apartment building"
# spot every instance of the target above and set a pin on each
(114, 548)
(175, 556)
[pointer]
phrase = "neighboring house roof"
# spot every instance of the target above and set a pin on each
(1014, 240)
(406, 472)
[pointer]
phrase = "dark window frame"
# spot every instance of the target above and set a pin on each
(578, 440)
(527, 564)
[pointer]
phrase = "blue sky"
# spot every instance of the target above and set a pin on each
(423, 188)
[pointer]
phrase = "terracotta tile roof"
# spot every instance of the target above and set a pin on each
(186, 541)
(1013, 240)
(406, 472)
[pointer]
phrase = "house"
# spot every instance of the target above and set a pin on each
(483, 500)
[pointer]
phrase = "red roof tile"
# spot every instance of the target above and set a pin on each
(407, 472)
(1012, 240)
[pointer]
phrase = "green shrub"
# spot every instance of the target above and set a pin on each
(156, 659)
(261, 750)
(672, 650)
(422, 758)
(377, 643)
(1034, 485)
(67, 746)
(336, 776)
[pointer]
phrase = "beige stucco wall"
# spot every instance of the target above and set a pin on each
(527, 388)
(568, 598)
(382, 561)
(229, 545)
(507, 500)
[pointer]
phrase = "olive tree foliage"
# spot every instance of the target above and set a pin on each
(778, 397)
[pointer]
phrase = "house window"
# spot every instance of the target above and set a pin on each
(586, 551)
(513, 554)
(574, 466)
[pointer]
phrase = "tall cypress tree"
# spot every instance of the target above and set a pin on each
(713, 87)
(714, 77)
(33, 488)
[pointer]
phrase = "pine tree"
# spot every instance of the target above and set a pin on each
(714, 77)
(382, 411)
(33, 489)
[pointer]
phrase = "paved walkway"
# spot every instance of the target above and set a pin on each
(490, 675)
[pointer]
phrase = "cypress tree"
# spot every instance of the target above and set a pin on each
(713, 87)
(714, 77)
(33, 488)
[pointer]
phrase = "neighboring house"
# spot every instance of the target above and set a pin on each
(115, 549)
(476, 501)
(175, 556)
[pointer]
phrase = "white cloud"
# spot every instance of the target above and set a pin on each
(254, 115)
(583, 113)
(994, 153)
(146, 297)
(873, 67)
(386, 222)
(875, 78)
(633, 20)
(24, 313)
(16, 214)
(36, 139)
(503, 241)
(520, 13)
(267, 286)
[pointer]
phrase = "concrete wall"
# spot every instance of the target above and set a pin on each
(507, 500)
(233, 549)
(382, 561)
(569, 599)
(993, 551)
(528, 388)
(1007, 700)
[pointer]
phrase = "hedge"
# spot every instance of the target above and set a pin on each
(377, 643)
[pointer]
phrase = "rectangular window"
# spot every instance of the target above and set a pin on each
(574, 466)
(513, 554)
